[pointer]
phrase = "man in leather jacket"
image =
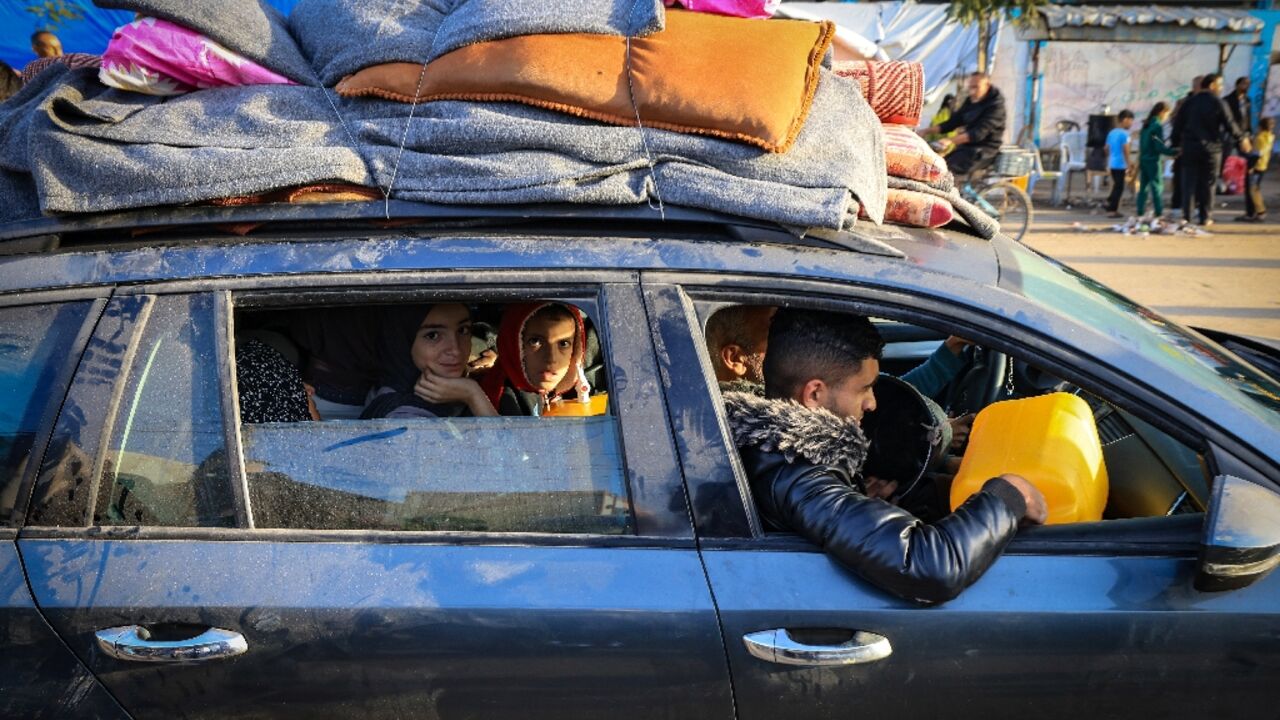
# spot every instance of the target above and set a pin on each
(803, 449)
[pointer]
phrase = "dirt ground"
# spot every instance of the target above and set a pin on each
(1228, 279)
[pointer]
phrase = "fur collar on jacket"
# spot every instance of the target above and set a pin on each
(787, 427)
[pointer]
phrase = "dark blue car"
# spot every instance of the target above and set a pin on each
(163, 558)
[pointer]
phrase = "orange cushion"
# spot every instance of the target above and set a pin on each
(732, 78)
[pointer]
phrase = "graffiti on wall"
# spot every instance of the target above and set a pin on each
(1083, 78)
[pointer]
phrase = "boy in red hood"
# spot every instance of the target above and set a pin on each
(541, 346)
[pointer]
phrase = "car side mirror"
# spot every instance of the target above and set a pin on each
(1241, 541)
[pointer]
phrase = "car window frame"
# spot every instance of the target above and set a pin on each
(98, 297)
(651, 467)
(702, 294)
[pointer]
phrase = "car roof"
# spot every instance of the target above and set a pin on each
(159, 244)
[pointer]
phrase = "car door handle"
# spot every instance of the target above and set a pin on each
(778, 646)
(133, 642)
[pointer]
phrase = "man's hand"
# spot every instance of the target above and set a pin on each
(877, 488)
(956, 344)
(960, 428)
(960, 139)
(485, 360)
(1037, 508)
(932, 129)
(1246, 145)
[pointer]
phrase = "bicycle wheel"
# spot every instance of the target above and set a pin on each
(1012, 208)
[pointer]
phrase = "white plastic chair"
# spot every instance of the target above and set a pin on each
(1072, 152)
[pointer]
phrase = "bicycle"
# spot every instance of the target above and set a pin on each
(1000, 189)
(1004, 198)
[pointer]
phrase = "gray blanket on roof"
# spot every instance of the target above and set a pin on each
(93, 149)
(343, 36)
(90, 148)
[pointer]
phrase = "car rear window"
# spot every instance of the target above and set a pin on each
(357, 460)
(35, 342)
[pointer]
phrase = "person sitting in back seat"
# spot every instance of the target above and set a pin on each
(426, 355)
(269, 387)
(541, 346)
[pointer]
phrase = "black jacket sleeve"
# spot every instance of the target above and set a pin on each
(1179, 122)
(888, 546)
(989, 122)
(1229, 122)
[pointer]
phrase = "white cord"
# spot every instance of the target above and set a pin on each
(395, 168)
(644, 143)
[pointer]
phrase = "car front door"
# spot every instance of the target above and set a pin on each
(1097, 619)
(143, 555)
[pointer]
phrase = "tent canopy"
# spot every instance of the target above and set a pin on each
(1144, 24)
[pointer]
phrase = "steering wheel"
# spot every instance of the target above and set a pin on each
(978, 382)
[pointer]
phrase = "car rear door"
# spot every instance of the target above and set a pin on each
(142, 554)
(41, 338)
(1097, 619)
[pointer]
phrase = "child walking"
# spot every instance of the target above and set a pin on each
(1151, 152)
(1254, 209)
(1118, 160)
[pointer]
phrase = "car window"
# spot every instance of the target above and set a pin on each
(166, 461)
(35, 342)
(1139, 470)
(373, 454)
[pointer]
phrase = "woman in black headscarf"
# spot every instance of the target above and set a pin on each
(424, 352)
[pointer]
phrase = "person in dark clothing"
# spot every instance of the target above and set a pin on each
(1177, 159)
(803, 448)
(980, 121)
(1199, 130)
(1241, 108)
(269, 387)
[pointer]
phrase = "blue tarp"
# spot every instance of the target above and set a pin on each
(88, 35)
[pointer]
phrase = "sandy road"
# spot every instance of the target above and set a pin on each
(1228, 280)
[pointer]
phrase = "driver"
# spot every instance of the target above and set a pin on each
(980, 121)
(803, 449)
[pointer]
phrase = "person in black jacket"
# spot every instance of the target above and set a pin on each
(980, 121)
(803, 449)
(1240, 107)
(1199, 130)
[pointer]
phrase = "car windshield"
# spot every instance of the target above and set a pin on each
(1201, 362)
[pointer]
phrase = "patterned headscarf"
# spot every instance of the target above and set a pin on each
(269, 387)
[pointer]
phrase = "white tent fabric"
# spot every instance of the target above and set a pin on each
(905, 31)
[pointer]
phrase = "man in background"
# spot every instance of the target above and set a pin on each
(1176, 199)
(737, 338)
(1199, 130)
(980, 122)
(48, 50)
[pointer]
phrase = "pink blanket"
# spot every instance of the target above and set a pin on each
(735, 8)
(157, 57)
